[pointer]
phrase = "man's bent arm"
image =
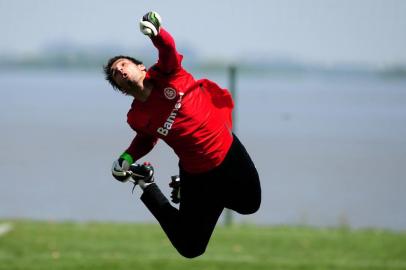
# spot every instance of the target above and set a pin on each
(141, 145)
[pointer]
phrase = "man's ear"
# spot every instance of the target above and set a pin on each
(142, 67)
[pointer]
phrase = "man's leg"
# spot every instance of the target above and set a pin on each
(241, 180)
(189, 228)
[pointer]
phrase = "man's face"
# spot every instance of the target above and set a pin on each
(127, 74)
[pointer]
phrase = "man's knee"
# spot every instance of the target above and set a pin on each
(250, 210)
(191, 252)
(247, 207)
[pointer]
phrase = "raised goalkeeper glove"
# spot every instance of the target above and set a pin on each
(150, 24)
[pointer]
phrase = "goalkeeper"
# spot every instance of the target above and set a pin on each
(194, 118)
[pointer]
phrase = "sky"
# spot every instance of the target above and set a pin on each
(315, 31)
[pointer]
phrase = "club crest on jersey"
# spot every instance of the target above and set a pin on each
(169, 93)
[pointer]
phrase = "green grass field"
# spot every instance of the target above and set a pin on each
(54, 245)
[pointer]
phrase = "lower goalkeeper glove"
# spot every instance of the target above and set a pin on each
(121, 166)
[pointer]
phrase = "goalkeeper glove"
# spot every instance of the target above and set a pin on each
(121, 166)
(150, 24)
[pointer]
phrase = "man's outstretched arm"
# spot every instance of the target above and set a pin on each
(169, 59)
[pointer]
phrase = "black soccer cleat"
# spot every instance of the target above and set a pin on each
(175, 185)
(144, 172)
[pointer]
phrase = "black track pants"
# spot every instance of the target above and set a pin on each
(234, 185)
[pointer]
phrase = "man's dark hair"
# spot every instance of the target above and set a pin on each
(107, 68)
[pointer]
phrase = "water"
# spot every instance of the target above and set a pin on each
(330, 150)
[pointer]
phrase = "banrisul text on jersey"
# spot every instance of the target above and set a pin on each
(164, 130)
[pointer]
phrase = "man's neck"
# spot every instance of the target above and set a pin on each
(142, 93)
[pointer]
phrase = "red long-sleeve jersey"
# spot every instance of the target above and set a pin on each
(192, 116)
